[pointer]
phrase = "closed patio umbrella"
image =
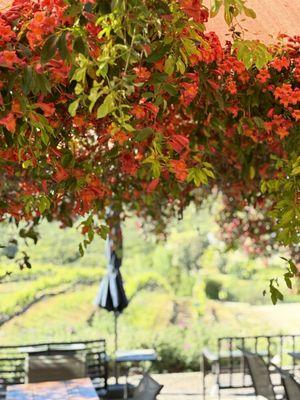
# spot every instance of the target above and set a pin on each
(111, 295)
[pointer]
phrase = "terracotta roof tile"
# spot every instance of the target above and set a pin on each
(5, 4)
(273, 17)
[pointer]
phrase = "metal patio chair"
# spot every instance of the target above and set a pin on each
(13, 361)
(55, 368)
(147, 389)
(291, 386)
(260, 375)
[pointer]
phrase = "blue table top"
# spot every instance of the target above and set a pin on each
(136, 355)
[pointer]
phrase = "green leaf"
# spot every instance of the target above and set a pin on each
(93, 97)
(49, 48)
(287, 217)
(180, 66)
(73, 107)
(45, 137)
(159, 77)
(288, 281)
(215, 8)
(80, 46)
(252, 172)
(26, 164)
(251, 52)
(275, 294)
(171, 89)
(81, 251)
(62, 46)
(107, 106)
(27, 79)
(44, 204)
(143, 134)
(103, 69)
(249, 12)
(190, 46)
(67, 159)
(73, 10)
(79, 74)
(293, 267)
(199, 176)
(296, 171)
(156, 169)
(103, 231)
(158, 54)
(169, 65)
(209, 173)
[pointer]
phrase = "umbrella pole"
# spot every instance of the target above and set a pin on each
(116, 345)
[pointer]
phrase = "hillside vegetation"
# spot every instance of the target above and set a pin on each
(184, 292)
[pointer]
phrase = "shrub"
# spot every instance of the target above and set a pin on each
(213, 288)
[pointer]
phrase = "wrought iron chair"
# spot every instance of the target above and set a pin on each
(228, 365)
(291, 386)
(260, 375)
(13, 361)
(55, 368)
(147, 389)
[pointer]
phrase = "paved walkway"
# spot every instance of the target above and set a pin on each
(188, 386)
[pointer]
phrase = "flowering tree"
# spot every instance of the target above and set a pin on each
(132, 105)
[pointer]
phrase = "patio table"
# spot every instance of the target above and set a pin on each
(295, 355)
(53, 348)
(133, 357)
(76, 389)
(141, 355)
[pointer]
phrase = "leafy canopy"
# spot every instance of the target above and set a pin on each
(133, 105)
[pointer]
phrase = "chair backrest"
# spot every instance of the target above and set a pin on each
(147, 389)
(13, 360)
(291, 387)
(260, 375)
(55, 368)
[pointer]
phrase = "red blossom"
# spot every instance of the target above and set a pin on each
(93, 29)
(178, 142)
(296, 115)
(60, 174)
(263, 76)
(9, 121)
(138, 111)
(195, 9)
(6, 33)
(41, 25)
(8, 58)
(280, 63)
(152, 185)
(287, 95)
(211, 109)
(48, 108)
(129, 164)
(188, 93)
(160, 65)
(142, 73)
(179, 168)
(231, 86)
(121, 137)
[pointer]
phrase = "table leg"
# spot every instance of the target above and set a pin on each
(125, 395)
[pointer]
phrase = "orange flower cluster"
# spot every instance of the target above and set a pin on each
(171, 116)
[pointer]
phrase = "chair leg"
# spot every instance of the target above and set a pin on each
(203, 385)
(125, 393)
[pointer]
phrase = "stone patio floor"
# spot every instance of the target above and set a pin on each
(188, 386)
